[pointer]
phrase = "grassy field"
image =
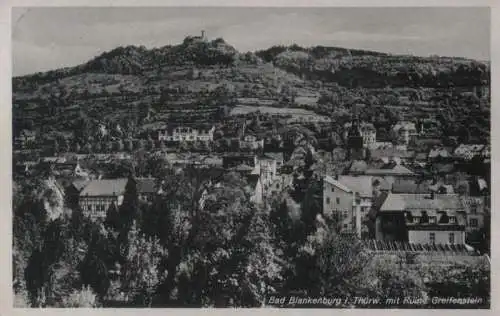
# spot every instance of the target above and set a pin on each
(294, 112)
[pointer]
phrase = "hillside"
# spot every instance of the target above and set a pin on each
(198, 80)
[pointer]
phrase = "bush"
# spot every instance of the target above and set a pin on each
(81, 298)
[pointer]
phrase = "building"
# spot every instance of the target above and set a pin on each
(367, 131)
(476, 210)
(232, 160)
(187, 133)
(24, 139)
(355, 142)
(146, 189)
(468, 151)
(421, 219)
(250, 142)
(392, 173)
(195, 160)
(278, 157)
(98, 195)
(348, 199)
(486, 152)
(411, 186)
(440, 154)
(404, 132)
(267, 168)
(387, 155)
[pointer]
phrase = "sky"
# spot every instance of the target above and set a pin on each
(51, 38)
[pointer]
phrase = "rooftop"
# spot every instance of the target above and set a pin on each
(146, 185)
(396, 170)
(406, 201)
(105, 187)
(410, 186)
(359, 184)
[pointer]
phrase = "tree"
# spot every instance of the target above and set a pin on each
(77, 147)
(141, 273)
(129, 209)
(113, 218)
(328, 263)
(94, 268)
(391, 277)
(128, 145)
(56, 148)
(84, 297)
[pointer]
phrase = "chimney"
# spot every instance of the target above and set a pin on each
(203, 34)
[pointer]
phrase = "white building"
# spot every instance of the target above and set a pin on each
(187, 134)
(251, 142)
(97, 196)
(422, 219)
(349, 199)
(404, 132)
(468, 151)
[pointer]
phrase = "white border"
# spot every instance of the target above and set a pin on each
(6, 298)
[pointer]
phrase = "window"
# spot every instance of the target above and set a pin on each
(451, 238)
(453, 219)
(432, 219)
(327, 200)
(346, 214)
(473, 209)
(345, 226)
(432, 238)
(416, 219)
(474, 222)
(337, 200)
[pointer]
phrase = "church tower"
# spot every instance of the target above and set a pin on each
(356, 151)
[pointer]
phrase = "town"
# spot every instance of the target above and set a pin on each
(395, 163)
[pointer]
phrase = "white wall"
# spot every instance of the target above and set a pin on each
(442, 237)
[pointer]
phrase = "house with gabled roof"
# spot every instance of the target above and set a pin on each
(97, 196)
(421, 219)
(349, 200)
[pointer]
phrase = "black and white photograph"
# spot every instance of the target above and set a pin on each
(251, 157)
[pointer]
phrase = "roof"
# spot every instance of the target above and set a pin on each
(80, 184)
(364, 126)
(410, 186)
(402, 202)
(404, 125)
(384, 184)
(465, 148)
(336, 183)
(438, 186)
(391, 152)
(197, 126)
(482, 184)
(439, 152)
(243, 167)
(443, 167)
(421, 156)
(276, 156)
(358, 166)
(477, 203)
(105, 187)
(360, 184)
(146, 185)
(396, 170)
